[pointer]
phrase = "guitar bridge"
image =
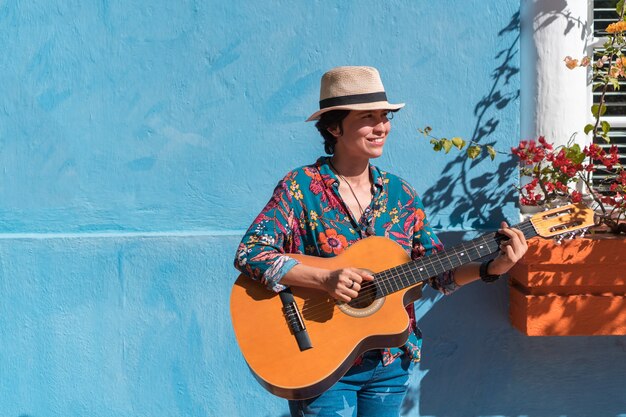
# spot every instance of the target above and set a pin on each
(294, 320)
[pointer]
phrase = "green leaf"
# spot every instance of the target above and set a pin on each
(458, 142)
(596, 107)
(588, 128)
(619, 6)
(436, 144)
(492, 152)
(606, 138)
(606, 127)
(575, 154)
(473, 151)
(446, 144)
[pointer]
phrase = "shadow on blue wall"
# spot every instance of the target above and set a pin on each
(481, 199)
(468, 339)
(518, 375)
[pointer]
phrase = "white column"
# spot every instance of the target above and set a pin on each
(555, 100)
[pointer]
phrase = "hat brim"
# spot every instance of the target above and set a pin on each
(377, 105)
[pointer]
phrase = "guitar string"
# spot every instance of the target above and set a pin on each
(526, 226)
(388, 282)
(404, 270)
(454, 252)
(388, 277)
(313, 313)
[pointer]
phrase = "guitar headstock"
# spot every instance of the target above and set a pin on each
(566, 219)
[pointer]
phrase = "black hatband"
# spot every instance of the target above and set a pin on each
(353, 99)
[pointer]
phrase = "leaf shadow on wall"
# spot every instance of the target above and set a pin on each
(480, 199)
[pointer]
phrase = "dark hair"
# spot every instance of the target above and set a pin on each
(329, 120)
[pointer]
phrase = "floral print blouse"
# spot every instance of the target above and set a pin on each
(306, 215)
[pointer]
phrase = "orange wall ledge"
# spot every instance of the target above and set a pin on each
(573, 289)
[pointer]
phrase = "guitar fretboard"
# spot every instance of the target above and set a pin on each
(419, 270)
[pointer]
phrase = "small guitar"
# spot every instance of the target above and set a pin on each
(300, 342)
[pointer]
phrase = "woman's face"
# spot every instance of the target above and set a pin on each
(364, 134)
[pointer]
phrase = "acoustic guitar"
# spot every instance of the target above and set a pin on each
(299, 342)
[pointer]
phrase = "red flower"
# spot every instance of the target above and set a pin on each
(560, 186)
(529, 153)
(609, 200)
(545, 144)
(594, 151)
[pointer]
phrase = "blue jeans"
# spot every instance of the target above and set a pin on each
(367, 390)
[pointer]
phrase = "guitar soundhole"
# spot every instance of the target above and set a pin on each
(367, 295)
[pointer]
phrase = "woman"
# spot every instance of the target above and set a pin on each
(323, 208)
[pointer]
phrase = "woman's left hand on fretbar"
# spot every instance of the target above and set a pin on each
(511, 250)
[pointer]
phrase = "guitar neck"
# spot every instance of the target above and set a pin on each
(419, 270)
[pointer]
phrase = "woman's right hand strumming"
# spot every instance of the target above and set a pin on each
(341, 284)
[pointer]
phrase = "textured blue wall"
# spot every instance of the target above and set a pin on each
(139, 138)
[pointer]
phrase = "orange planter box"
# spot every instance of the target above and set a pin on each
(576, 288)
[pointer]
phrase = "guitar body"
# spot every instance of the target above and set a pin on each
(338, 332)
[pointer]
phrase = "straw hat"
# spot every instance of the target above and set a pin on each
(352, 88)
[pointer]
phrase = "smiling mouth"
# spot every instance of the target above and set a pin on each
(377, 140)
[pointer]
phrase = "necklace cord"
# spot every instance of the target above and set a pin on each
(349, 186)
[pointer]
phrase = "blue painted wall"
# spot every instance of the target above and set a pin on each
(139, 139)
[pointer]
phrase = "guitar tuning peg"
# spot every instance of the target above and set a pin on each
(583, 231)
(573, 235)
(559, 239)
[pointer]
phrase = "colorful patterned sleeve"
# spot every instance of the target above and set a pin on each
(262, 251)
(426, 242)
